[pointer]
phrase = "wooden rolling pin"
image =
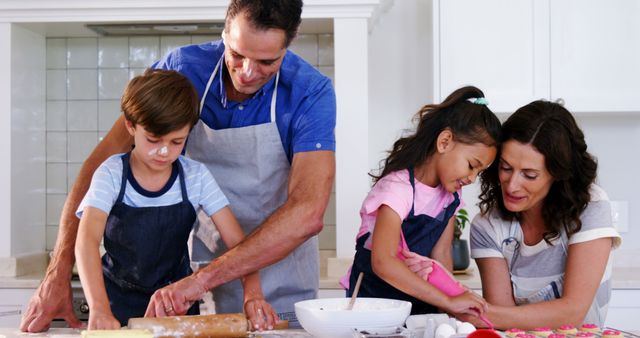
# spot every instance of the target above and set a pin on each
(214, 326)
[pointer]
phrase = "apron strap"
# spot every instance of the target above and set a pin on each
(413, 188)
(183, 186)
(208, 86)
(125, 173)
(273, 97)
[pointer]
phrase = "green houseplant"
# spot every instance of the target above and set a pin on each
(460, 247)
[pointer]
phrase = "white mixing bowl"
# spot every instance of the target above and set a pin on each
(328, 317)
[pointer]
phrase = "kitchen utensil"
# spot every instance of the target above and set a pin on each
(217, 325)
(355, 291)
(328, 317)
(444, 281)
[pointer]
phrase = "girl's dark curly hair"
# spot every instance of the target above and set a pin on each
(553, 132)
(469, 122)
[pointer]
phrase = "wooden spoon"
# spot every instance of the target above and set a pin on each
(355, 291)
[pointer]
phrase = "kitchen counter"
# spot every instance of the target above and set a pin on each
(623, 278)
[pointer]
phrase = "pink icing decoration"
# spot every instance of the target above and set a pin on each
(611, 332)
(590, 326)
(556, 335)
(584, 334)
(567, 327)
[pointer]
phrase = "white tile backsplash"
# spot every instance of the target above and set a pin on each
(56, 115)
(57, 84)
(82, 115)
(325, 50)
(56, 53)
(85, 81)
(143, 51)
(56, 178)
(82, 53)
(111, 83)
(82, 84)
(169, 43)
(51, 235)
(113, 52)
(72, 172)
(306, 46)
(54, 206)
(80, 144)
(56, 146)
(108, 113)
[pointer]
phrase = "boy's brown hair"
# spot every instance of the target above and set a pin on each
(160, 100)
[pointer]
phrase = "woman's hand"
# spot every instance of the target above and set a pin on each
(99, 320)
(418, 264)
(260, 314)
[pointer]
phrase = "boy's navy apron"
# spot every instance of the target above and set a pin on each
(252, 169)
(421, 233)
(146, 248)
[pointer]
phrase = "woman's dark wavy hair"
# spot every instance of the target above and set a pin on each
(469, 122)
(553, 132)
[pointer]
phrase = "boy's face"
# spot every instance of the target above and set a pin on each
(157, 153)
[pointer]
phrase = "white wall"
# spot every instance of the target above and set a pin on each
(5, 140)
(399, 73)
(27, 142)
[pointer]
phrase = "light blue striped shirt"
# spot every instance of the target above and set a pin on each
(202, 189)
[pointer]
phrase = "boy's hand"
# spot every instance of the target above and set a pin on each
(260, 314)
(103, 321)
(418, 264)
(467, 303)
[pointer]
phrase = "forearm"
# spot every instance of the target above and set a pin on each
(289, 227)
(251, 286)
(553, 313)
(90, 270)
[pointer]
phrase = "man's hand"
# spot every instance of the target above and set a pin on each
(175, 299)
(51, 300)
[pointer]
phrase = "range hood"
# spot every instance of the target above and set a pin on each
(191, 28)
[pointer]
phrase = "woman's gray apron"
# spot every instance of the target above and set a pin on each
(252, 169)
(522, 295)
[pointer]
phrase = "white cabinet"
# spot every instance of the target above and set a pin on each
(13, 303)
(517, 51)
(624, 309)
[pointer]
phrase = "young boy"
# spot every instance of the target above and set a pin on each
(144, 203)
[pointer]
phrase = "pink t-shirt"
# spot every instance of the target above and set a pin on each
(394, 190)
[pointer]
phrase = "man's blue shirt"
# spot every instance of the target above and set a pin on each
(305, 104)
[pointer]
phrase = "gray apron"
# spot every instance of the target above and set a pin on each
(252, 169)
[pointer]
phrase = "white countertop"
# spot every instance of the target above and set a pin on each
(623, 278)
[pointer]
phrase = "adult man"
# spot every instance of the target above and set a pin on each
(266, 134)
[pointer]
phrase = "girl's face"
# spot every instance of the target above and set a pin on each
(157, 152)
(461, 163)
(524, 178)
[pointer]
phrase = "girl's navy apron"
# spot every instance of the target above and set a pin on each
(252, 169)
(421, 233)
(146, 248)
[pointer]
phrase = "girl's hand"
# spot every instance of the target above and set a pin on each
(260, 314)
(418, 264)
(467, 303)
(103, 321)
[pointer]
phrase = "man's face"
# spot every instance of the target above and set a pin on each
(252, 56)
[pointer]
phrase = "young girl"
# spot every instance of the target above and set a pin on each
(411, 206)
(144, 203)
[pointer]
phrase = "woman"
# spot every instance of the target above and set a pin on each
(543, 238)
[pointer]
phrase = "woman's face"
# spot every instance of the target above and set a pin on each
(523, 176)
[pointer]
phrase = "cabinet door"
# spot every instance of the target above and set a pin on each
(500, 46)
(595, 54)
